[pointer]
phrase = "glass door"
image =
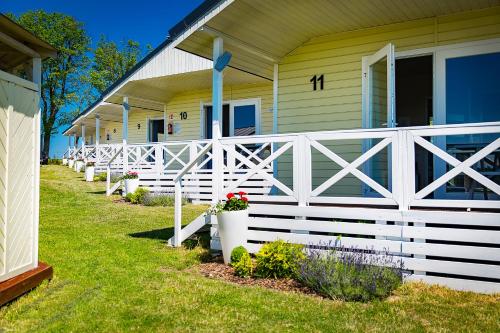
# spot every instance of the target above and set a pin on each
(378, 111)
(467, 92)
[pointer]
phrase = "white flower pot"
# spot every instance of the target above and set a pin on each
(233, 228)
(79, 166)
(64, 161)
(130, 185)
(71, 164)
(89, 173)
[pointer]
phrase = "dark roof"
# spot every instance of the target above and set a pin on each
(193, 17)
(178, 29)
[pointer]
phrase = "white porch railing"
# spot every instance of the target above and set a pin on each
(431, 226)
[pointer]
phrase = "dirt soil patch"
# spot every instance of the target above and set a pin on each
(217, 270)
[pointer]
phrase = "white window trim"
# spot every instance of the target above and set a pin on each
(232, 104)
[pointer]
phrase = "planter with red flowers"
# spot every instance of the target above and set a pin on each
(232, 220)
(130, 182)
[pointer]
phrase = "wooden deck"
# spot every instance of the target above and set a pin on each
(21, 284)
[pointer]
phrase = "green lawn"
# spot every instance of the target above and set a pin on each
(114, 272)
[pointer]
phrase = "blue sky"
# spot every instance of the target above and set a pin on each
(147, 22)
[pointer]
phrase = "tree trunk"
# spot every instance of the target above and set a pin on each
(46, 144)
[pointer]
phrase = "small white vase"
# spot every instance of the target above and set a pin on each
(233, 227)
(64, 161)
(130, 185)
(79, 166)
(89, 173)
(71, 163)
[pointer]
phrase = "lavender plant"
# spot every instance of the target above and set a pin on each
(350, 274)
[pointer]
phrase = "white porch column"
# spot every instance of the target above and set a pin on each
(165, 123)
(97, 135)
(126, 109)
(83, 141)
(275, 119)
(217, 90)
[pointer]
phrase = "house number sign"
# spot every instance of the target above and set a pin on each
(183, 115)
(318, 79)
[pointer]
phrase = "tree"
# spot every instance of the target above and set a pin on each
(111, 63)
(60, 76)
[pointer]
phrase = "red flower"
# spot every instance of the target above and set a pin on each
(241, 193)
(229, 196)
(244, 199)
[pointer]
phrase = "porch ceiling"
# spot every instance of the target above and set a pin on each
(154, 92)
(277, 27)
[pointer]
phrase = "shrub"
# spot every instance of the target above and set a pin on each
(90, 164)
(102, 177)
(138, 196)
(244, 266)
(350, 274)
(278, 260)
(237, 253)
(163, 200)
(54, 161)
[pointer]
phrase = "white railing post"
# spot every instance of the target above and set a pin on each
(158, 158)
(125, 110)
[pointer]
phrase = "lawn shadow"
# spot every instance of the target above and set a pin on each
(97, 192)
(161, 234)
(201, 238)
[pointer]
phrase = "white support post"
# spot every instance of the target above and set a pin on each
(217, 152)
(165, 123)
(97, 135)
(83, 141)
(275, 120)
(302, 170)
(126, 109)
(217, 90)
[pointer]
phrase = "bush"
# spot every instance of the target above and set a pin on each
(163, 200)
(54, 161)
(237, 253)
(278, 260)
(244, 266)
(102, 177)
(350, 274)
(138, 196)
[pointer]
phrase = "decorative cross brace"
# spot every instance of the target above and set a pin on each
(258, 169)
(458, 167)
(351, 168)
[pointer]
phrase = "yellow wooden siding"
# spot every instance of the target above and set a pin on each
(338, 57)
(189, 129)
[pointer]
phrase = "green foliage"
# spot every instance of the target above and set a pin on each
(244, 266)
(278, 260)
(102, 177)
(54, 161)
(237, 253)
(138, 196)
(350, 274)
(111, 62)
(163, 200)
(61, 75)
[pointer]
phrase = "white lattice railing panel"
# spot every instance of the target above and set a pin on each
(480, 167)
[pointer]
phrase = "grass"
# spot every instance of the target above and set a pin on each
(114, 272)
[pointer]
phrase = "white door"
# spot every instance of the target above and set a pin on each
(378, 110)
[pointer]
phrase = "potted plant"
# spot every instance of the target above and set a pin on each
(79, 165)
(71, 163)
(232, 220)
(89, 171)
(130, 182)
(64, 161)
